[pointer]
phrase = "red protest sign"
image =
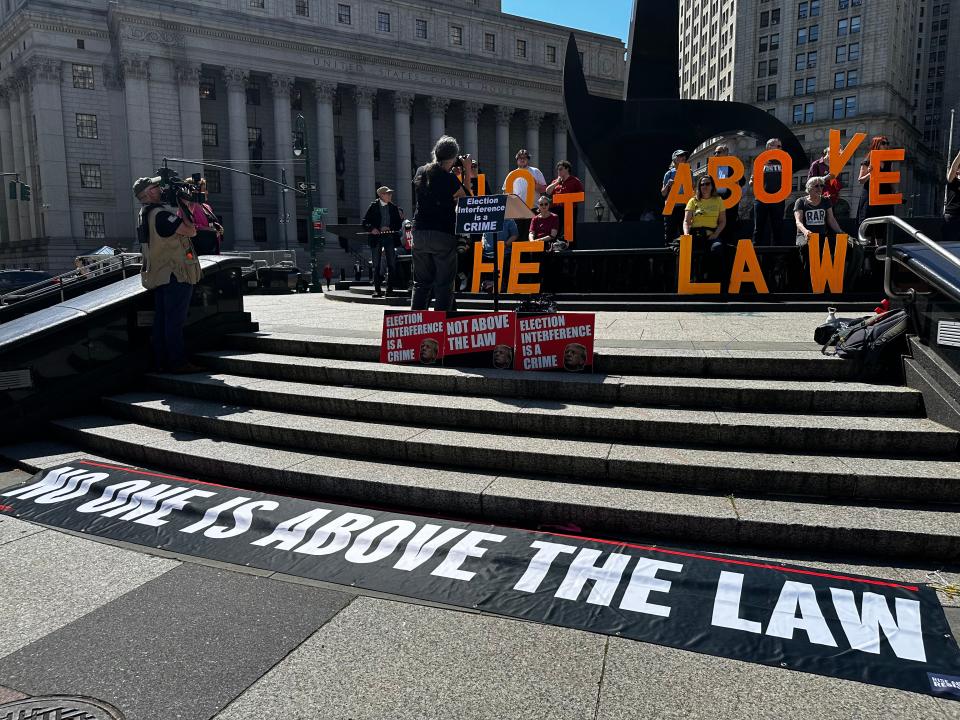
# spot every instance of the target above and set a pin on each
(555, 341)
(480, 340)
(412, 337)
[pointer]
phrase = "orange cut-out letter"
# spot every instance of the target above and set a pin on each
(481, 184)
(746, 269)
(568, 200)
(517, 267)
(840, 156)
(685, 286)
(879, 177)
(681, 192)
(826, 270)
(531, 198)
(481, 268)
(785, 179)
(731, 183)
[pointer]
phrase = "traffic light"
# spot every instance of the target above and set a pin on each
(13, 190)
(24, 192)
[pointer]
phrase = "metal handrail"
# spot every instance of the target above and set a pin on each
(56, 284)
(883, 253)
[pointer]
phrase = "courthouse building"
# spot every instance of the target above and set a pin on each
(94, 94)
(881, 67)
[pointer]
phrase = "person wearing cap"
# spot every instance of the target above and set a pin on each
(384, 221)
(673, 222)
(171, 269)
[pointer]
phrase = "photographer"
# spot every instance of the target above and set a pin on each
(437, 188)
(170, 268)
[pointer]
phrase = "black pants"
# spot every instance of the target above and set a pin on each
(673, 225)
(767, 223)
(951, 228)
(434, 269)
(387, 260)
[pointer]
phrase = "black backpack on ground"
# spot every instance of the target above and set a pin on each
(871, 341)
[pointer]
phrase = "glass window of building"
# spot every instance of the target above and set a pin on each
(489, 42)
(208, 132)
(456, 35)
(383, 21)
(303, 8)
(90, 176)
(344, 14)
(422, 29)
(93, 226)
(83, 77)
(87, 126)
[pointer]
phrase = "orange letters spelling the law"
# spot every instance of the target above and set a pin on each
(746, 269)
(685, 286)
(759, 192)
(682, 190)
(827, 270)
(879, 177)
(840, 156)
(731, 183)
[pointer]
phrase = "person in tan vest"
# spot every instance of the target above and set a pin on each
(170, 269)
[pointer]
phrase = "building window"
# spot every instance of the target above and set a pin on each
(213, 181)
(772, 91)
(256, 3)
(422, 29)
(343, 14)
(253, 94)
(456, 35)
(260, 229)
(798, 87)
(838, 108)
(764, 43)
(774, 66)
(256, 186)
(383, 21)
(811, 60)
(81, 44)
(851, 106)
(376, 151)
(255, 143)
(765, 19)
(775, 41)
(83, 77)
(762, 69)
(296, 99)
(521, 48)
(208, 88)
(801, 36)
(90, 176)
(855, 25)
(803, 11)
(552, 54)
(811, 85)
(853, 78)
(93, 226)
(303, 8)
(839, 80)
(843, 27)
(761, 93)
(209, 133)
(803, 114)
(775, 17)
(841, 53)
(854, 52)
(87, 126)
(489, 42)
(808, 112)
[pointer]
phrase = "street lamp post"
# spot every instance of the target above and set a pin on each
(302, 147)
(284, 218)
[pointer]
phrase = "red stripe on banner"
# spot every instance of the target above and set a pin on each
(153, 474)
(731, 561)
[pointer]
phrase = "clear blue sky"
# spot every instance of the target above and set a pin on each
(609, 17)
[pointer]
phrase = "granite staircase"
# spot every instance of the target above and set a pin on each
(779, 450)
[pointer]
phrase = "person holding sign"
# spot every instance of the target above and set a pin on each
(545, 225)
(814, 215)
(437, 189)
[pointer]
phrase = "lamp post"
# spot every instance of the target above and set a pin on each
(599, 209)
(301, 146)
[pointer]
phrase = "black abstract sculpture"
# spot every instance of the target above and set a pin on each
(626, 144)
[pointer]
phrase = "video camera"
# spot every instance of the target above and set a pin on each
(461, 159)
(175, 190)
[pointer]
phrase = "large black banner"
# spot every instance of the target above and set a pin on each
(873, 631)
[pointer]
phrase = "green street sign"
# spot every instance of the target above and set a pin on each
(318, 214)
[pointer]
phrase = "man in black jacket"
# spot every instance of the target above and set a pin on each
(384, 221)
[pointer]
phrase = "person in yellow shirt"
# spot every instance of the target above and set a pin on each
(704, 220)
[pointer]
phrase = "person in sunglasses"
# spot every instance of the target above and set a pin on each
(813, 214)
(864, 208)
(704, 220)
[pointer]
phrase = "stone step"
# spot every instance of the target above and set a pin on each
(685, 467)
(550, 418)
(749, 394)
(880, 530)
(668, 362)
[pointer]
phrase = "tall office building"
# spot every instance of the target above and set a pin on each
(936, 82)
(817, 65)
(94, 94)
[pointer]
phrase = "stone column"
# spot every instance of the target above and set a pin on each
(281, 86)
(19, 158)
(136, 90)
(325, 151)
(365, 171)
(559, 140)
(504, 166)
(51, 148)
(24, 81)
(470, 143)
(7, 157)
(402, 103)
(240, 233)
(534, 118)
(438, 118)
(191, 138)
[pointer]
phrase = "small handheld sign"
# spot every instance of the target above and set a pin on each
(480, 214)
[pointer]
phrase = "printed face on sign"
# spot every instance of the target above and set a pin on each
(503, 357)
(574, 357)
(429, 351)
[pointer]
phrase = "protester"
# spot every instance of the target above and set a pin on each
(768, 217)
(545, 225)
(328, 274)
(729, 234)
(170, 269)
(209, 237)
(435, 247)
(821, 165)
(813, 214)
(507, 234)
(384, 221)
(673, 221)
(519, 185)
(566, 182)
(951, 210)
(704, 220)
(864, 208)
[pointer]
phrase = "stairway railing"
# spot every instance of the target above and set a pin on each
(109, 264)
